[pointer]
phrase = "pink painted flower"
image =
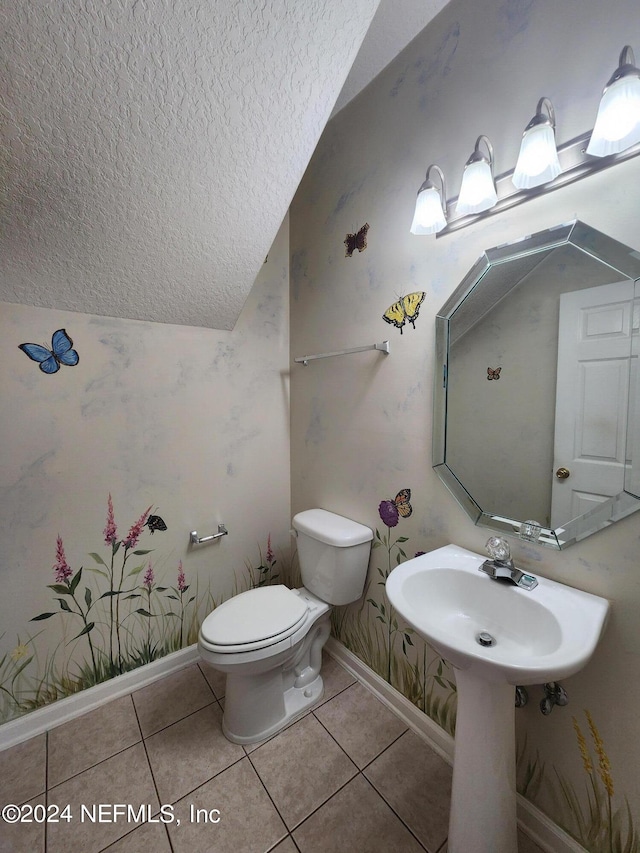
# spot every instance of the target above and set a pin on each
(110, 531)
(148, 577)
(270, 554)
(62, 568)
(132, 537)
(182, 581)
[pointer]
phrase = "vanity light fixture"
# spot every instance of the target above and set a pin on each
(542, 166)
(617, 124)
(538, 159)
(430, 213)
(478, 190)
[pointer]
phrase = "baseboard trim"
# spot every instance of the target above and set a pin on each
(43, 719)
(533, 822)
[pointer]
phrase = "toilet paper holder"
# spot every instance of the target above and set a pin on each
(194, 539)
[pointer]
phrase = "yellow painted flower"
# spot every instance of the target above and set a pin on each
(20, 651)
(584, 752)
(604, 767)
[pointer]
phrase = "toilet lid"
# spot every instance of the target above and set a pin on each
(258, 614)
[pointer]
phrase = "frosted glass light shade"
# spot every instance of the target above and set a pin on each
(478, 191)
(617, 124)
(429, 216)
(538, 159)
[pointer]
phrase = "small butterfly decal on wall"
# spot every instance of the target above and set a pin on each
(406, 309)
(402, 503)
(493, 374)
(356, 241)
(154, 522)
(61, 352)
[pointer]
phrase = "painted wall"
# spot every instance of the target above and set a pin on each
(155, 426)
(361, 424)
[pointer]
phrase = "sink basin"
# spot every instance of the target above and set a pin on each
(540, 635)
(534, 636)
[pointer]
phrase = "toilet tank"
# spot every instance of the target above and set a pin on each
(333, 553)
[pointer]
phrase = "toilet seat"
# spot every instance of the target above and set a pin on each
(254, 619)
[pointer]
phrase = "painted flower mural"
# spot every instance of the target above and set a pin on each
(379, 638)
(114, 615)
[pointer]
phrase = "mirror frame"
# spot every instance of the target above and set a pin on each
(600, 247)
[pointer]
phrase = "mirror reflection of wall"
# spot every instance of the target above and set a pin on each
(538, 416)
(500, 432)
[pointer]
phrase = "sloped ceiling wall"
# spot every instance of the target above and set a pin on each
(150, 149)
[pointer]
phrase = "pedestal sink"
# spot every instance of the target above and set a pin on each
(537, 635)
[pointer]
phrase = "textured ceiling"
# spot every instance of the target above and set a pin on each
(150, 149)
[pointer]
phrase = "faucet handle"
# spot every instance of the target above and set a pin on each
(498, 549)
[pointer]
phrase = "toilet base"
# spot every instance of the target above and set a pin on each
(296, 700)
(259, 704)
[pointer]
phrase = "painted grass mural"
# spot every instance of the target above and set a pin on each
(600, 826)
(373, 632)
(115, 614)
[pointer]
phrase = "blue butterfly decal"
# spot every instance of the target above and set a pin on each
(61, 352)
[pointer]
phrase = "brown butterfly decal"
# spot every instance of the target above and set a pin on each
(356, 241)
(493, 374)
(402, 503)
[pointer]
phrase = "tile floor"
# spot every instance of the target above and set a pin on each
(348, 776)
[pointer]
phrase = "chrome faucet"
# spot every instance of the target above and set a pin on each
(501, 567)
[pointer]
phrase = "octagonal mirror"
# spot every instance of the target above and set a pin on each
(537, 393)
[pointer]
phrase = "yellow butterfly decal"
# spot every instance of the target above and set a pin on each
(405, 309)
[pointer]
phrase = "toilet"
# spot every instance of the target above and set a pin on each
(269, 640)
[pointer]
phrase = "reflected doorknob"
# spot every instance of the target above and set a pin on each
(563, 473)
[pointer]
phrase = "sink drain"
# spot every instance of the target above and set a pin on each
(485, 639)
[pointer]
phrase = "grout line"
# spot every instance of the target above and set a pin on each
(135, 711)
(179, 720)
(388, 746)
(253, 767)
(293, 841)
(206, 781)
(218, 698)
(153, 778)
(146, 752)
(92, 766)
(337, 743)
(402, 821)
(324, 803)
(361, 773)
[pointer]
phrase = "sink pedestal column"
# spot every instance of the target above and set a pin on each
(483, 797)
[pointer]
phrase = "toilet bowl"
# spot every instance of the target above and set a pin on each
(269, 640)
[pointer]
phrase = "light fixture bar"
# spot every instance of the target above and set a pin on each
(575, 164)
